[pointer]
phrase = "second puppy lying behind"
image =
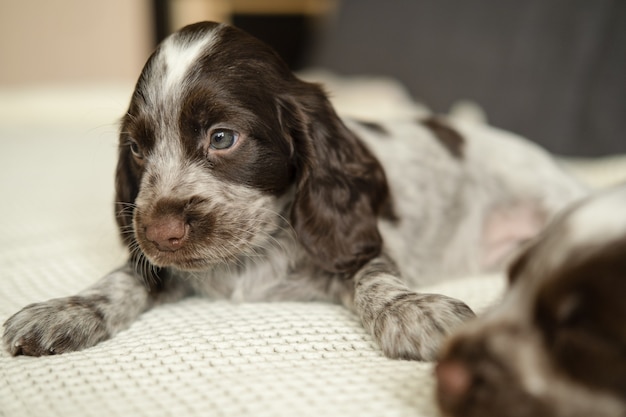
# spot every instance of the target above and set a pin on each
(556, 345)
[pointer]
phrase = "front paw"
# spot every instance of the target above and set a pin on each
(55, 326)
(413, 326)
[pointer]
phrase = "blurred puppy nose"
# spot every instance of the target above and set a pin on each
(168, 233)
(454, 381)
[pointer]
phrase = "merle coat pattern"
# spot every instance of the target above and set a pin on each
(238, 180)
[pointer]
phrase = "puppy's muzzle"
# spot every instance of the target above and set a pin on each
(168, 233)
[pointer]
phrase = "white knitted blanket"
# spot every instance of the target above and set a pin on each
(197, 357)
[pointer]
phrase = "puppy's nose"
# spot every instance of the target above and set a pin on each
(168, 233)
(454, 381)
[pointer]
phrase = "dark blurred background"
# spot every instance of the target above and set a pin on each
(551, 70)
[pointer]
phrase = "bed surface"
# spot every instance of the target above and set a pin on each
(196, 357)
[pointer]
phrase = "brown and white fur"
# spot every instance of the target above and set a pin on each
(556, 344)
(237, 180)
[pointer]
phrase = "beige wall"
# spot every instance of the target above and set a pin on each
(92, 41)
(68, 41)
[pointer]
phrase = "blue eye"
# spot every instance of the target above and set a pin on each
(223, 139)
(135, 149)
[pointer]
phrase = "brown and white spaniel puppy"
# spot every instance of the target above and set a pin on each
(556, 345)
(237, 180)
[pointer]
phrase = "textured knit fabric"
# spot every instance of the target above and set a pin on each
(193, 358)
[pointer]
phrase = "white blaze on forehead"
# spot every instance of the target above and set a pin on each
(602, 219)
(164, 85)
(588, 227)
(178, 55)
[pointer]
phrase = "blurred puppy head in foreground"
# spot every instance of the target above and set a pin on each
(556, 345)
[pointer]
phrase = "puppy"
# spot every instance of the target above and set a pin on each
(237, 180)
(556, 345)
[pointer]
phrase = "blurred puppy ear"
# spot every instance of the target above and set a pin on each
(581, 310)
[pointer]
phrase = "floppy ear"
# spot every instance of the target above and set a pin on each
(582, 312)
(341, 186)
(127, 177)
